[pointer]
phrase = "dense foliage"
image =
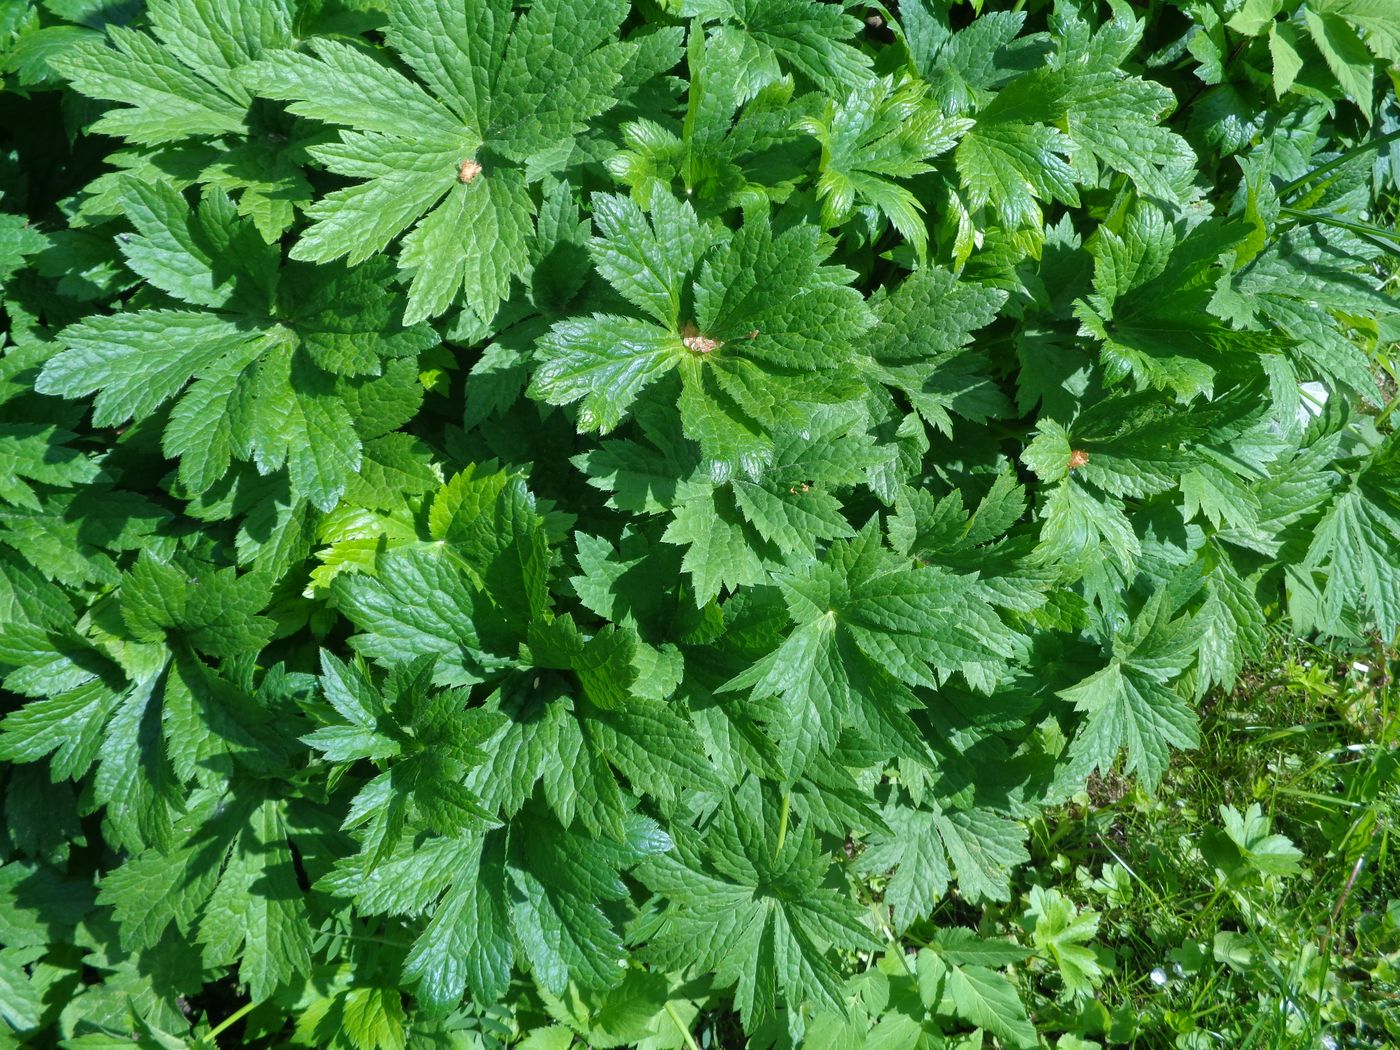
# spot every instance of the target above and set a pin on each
(623, 510)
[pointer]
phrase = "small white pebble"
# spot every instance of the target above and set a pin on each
(1361, 668)
(1158, 976)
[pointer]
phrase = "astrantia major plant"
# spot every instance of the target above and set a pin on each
(614, 512)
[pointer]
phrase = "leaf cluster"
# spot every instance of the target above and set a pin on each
(621, 510)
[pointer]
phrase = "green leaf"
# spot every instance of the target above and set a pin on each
(134, 778)
(31, 452)
(604, 361)
(1013, 156)
(1354, 542)
(1266, 853)
(502, 101)
(214, 611)
(1151, 310)
(772, 326)
(871, 139)
(259, 371)
(804, 35)
(1128, 709)
(467, 943)
(918, 347)
(255, 914)
(374, 1017)
(417, 601)
(1345, 54)
(649, 263)
(1060, 933)
(975, 994)
(926, 848)
(868, 626)
(753, 910)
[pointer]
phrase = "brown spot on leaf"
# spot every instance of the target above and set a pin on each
(1078, 458)
(467, 171)
(697, 343)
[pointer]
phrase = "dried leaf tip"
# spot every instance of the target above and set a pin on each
(1078, 458)
(467, 171)
(697, 343)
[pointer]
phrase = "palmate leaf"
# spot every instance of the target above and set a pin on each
(466, 590)
(531, 890)
(1229, 619)
(747, 903)
(875, 136)
(32, 452)
(868, 626)
(1013, 164)
(1114, 116)
(737, 531)
(953, 982)
(1349, 35)
(498, 103)
(427, 740)
(965, 67)
(18, 241)
(159, 719)
(116, 730)
(770, 332)
(737, 144)
(1060, 933)
(267, 372)
(1151, 304)
(926, 847)
(805, 36)
(232, 886)
(182, 81)
(1019, 149)
(707, 545)
(1355, 542)
(1300, 283)
(1129, 704)
(179, 89)
(917, 347)
(613, 740)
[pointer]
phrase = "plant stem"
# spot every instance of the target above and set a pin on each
(227, 1023)
(1375, 234)
(783, 822)
(1338, 161)
(1386, 412)
(1325, 948)
(690, 1042)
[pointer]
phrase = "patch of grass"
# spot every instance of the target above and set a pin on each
(1254, 901)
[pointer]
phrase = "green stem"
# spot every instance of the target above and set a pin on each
(227, 1023)
(1387, 411)
(783, 822)
(895, 948)
(690, 1042)
(1375, 234)
(1338, 161)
